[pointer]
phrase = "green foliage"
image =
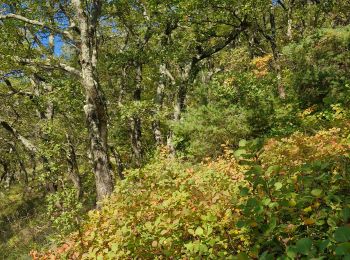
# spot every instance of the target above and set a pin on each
(171, 209)
(203, 130)
(260, 175)
(64, 211)
(289, 202)
(23, 222)
(296, 197)
(318, 67)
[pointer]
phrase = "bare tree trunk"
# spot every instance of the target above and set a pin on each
(95, 107)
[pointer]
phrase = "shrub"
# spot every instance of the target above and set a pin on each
(288, 199)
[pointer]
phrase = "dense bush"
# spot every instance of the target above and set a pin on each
(317, 68)
(203, 130)
(285, 198)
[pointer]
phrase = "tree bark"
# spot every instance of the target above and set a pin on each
(95, 107)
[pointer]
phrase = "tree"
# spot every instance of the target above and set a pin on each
(80, 32)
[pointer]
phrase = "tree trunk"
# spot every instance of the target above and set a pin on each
(187, 77)
(119, 163)
(95, 107)
(73, 167)
(135, 121)
(158, 137)
(290, 24)
(275, 53)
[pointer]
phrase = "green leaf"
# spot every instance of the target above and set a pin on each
(244, 191)
(266, 256)
(272, 225)
(242, 256)
(242, 143)
(114, 247)
(203, 248)
(212, 218)
(342, 234)
(317, 192)
(240, 152)
(189, 246)
(304, 245)
(346, 214)
(323, 245)
(278, 185)
(240, 224)
(256, 169)
(343, 249)
(199, 231)
(273, 169)
(291, 252)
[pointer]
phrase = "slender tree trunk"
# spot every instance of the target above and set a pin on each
(179, 108)
(187, 77)
(119, 163)
(158, 137)
(122, 87)
(290, 24)
(135, 121)
(275, 53)
(95, 107)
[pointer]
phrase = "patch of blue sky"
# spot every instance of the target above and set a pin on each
(43, 37)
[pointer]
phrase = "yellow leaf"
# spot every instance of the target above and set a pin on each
(309, 221)
(308, 209)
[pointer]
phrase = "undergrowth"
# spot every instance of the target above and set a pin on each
(285, 198)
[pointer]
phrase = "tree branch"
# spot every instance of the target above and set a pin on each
(48, 64)
(24, 19)
(15, 91)
(26, 143)
(218, 47)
